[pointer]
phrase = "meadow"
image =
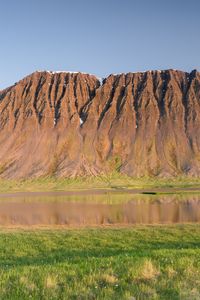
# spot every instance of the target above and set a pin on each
(140, 262)
(105, 262)
(113, 181)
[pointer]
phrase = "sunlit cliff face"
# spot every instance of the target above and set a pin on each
(72, 124)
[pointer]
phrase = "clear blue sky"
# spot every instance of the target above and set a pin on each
(97, 36)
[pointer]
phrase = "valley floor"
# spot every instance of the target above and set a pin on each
(128, 262)
(113, 182)
(140, 262)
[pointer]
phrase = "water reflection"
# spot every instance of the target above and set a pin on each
(131, 209)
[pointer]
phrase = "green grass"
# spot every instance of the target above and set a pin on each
(114, 181)
(108, 198)
(154, 262)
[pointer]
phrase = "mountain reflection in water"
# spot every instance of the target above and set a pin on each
(156, 210)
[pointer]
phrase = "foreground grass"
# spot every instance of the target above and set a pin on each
(124, 263)
(114, 181)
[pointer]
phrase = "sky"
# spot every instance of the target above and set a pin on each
(97, 36)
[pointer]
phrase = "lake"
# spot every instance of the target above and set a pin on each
(91, 209)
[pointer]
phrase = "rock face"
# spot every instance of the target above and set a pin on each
(69, 124)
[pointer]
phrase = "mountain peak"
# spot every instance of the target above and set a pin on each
(71, 124)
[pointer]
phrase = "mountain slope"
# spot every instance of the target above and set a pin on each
(68, 124)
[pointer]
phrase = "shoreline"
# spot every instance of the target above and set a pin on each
(103, 191)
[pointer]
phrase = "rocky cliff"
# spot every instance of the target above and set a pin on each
(71, 124)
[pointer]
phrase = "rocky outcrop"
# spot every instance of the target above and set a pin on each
(69, 124)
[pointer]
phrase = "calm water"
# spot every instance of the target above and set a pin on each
(99, 210)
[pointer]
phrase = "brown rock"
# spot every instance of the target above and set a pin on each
(67, 124)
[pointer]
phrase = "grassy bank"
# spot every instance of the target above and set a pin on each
(114, 181)
(124, 263)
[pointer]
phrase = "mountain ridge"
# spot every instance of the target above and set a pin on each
(70, 124)
(98, 77)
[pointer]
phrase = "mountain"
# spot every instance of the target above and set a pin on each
(72, 124)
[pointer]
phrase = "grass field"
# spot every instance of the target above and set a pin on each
(114, 181)
(134, 263)
(152, 262)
